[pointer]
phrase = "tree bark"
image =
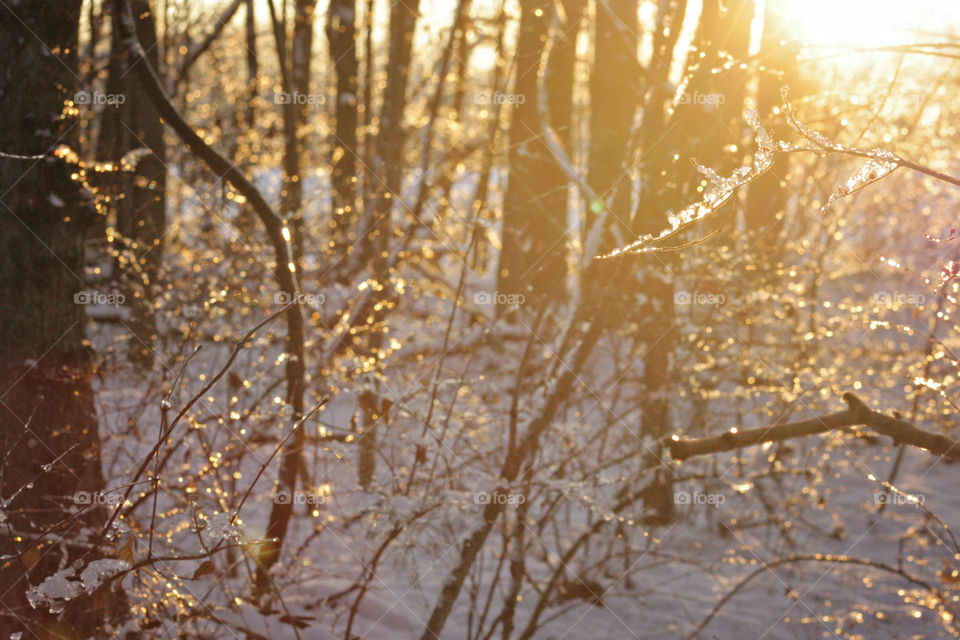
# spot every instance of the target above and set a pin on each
(703, 125)
(533, 258)
(367, 138)
(388, 167)
(295, 119)
(614, 97)
(291, 211)
(140, 201)
(342, 38)
(47, 414)
(614, 94)
(253, 64)
(767, 195)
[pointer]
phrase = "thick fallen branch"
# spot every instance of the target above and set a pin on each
(857, 414)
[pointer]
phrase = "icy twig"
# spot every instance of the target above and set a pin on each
(880, 163)
(719, 192)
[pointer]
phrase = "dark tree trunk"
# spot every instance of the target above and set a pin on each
(387, 162)
(291, 207)
(295, 118)
(367, 137)
(253, 64)
(655, 317)
(767, 195)
(534, 254)
(140, 203)
(342, 38)
(614, 97)
(246, 221)
(47, 414)
(706, 121)
(388, 167)
(709, 117)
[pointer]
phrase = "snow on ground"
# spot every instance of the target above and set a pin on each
(685, 569)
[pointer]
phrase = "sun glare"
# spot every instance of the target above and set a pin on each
(872, 23)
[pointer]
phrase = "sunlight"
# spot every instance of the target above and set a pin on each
(484, 57)
(872, 23)
(480, 318)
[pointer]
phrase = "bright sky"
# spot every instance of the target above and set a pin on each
(824, 23)
(871, 23)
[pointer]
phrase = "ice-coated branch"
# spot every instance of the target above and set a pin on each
(719, 192)
(880, 163)
(856, 414)
(168, 431)
(217, 163)
(814, 558)
(285, 271)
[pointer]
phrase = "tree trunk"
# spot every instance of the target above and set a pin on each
(47, 414)
(614, 97)
(342, 38)
(533, 260)
(253, 64)
(709, 116)
(705, 125)
(657, 313)
(767, 195)
(295, 119)
(367, 138)
(141, 199)
(388, 167)
(291, 206)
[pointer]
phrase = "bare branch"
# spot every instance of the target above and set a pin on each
(833, 560)
(857, 414)
(197, 48)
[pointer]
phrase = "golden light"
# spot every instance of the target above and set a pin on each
(484, 57)
(871, 23)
